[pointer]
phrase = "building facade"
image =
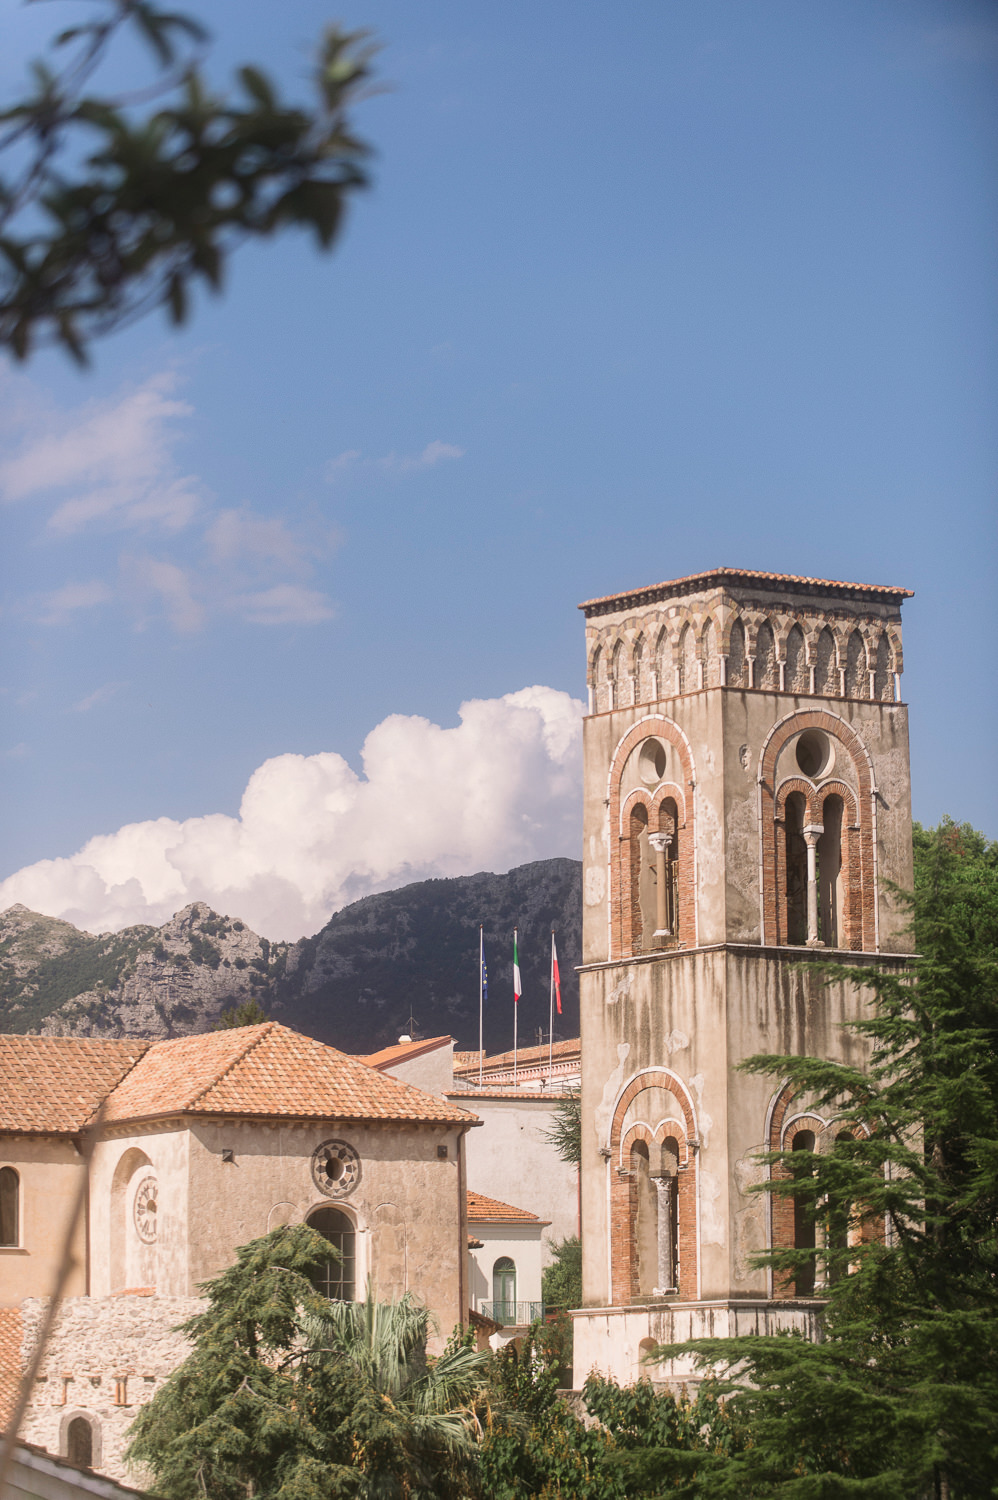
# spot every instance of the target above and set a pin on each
(204, 1143)
(747, 796)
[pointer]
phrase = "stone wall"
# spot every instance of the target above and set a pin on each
(107, 1356)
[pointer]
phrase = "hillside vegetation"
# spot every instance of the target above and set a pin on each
(411, 952)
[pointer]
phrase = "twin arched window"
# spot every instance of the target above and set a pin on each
(10, 1226)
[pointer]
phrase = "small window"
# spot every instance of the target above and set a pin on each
(335, 1278)
(10, 1185)
(504, 1290)
(804, 1232)
(80, 1443)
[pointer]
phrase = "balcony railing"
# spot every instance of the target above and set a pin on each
(512, 1314)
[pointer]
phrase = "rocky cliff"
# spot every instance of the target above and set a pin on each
(410, 953)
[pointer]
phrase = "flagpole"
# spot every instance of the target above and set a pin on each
(551, 1015)
(515, 999)
(481, 1000)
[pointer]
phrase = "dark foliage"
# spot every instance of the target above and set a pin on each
(108, 211)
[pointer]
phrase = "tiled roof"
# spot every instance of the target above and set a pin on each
(491, 1210)
(504, 1091)
(267, 1071)
(785, 582)
(400, 1050)
(10, 1361)
(51, 1085)
(572, 1047)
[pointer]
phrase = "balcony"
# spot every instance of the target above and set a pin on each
(512, 1314)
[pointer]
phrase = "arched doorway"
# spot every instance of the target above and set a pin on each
(80, 1442)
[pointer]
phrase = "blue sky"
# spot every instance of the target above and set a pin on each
(638, 290)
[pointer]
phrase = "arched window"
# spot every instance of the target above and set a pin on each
(857, 676)
(796, 680)
(336, 1277)
(829, 873)
(638, 673)
(711, 660)
(826, 673)
(766, 675)
(644, 1221)
(504, 1290)
(736, 656)
(665, 675)
(688, 675)
(796, 894)
(10, 1226)
(80, 1442)
(804, 1238)
(883, 682)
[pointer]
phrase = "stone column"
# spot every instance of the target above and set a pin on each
(812, 833)
(665, 1186)
(660, 843)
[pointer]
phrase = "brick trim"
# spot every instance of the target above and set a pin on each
(624, 911)
(623, 1190)
(860, 924)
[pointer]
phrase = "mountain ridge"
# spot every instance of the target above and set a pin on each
(387, 959)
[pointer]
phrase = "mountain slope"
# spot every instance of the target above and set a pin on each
(355, 984)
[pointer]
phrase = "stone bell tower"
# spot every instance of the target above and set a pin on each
(746, 796)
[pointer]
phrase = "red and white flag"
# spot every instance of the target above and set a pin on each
(555, 976)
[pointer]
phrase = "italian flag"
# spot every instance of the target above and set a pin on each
(517, 986)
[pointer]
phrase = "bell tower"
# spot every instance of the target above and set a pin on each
(747, 794)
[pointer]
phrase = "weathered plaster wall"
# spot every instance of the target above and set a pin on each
(432, 1071)
(95, 1344)
(407, 1204)
(120, 1163)
(49, 1169)
(510, 1158)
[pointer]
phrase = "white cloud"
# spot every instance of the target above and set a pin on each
(241, 533)
(100, 695)
(499, 789)
(284, 604)
(394, 463)
(169, 585)
(63, 603)
(114, 462)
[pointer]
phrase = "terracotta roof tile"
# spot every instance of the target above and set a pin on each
(264, 1071)
(740, 575)
(571, 1047)
(490, 1209)
(505, 1091)
(51, 1085)
(10, 1361)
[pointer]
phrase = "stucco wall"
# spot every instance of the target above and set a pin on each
(407, 1205)
(49, 1169)
(510, 1158)
(432, 1071)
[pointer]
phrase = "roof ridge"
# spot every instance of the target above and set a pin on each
(142, 1046)
(264, 1029)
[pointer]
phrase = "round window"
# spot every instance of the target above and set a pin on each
(652, 762)
(814, 753)
(335, 1168)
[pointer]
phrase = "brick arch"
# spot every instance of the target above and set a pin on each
(860, 915)
(623, 1249)
(623, 933)
(783, 1126)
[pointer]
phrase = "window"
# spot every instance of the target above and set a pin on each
(335, 1277)
(804, 1238)
(504, 1290)
(10, 1185)
(80, 1443)
(793, 818)
(829, 872)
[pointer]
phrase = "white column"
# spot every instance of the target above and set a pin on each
(665, 1187)
(812, 833)
(660, 843)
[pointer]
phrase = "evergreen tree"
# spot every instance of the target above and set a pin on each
(900, 1397)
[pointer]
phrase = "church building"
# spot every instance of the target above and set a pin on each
(204, 1143)
(747, 800)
